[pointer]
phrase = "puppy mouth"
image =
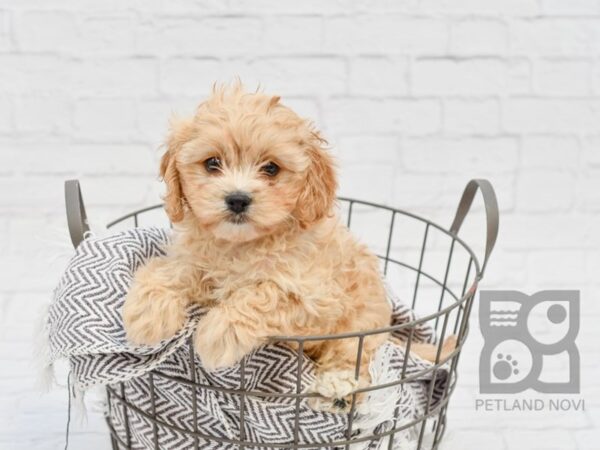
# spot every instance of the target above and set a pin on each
(237, 219)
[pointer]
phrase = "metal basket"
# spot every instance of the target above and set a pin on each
(443, 299)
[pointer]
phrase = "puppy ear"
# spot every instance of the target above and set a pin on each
(174, 198)
(318, 194)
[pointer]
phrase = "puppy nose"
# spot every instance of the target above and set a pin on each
(238, 202)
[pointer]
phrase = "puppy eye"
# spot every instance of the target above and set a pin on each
(271, 169)
(212, 164)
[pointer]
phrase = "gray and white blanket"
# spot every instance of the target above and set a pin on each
(84, 325)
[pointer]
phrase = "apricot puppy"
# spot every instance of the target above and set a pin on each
(251, 191)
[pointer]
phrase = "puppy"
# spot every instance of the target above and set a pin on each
(251, 191)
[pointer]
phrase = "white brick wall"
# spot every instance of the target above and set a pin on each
(416, 97)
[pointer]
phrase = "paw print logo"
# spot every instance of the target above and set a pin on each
(521, 334)
(505, 367)
(510, 362)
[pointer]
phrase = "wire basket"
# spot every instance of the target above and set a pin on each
(431, 268)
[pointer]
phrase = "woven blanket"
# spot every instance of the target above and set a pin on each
(84, 325)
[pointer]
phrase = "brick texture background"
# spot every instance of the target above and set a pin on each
(415, 96)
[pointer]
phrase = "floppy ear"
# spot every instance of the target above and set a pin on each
(174, 198)
(318, 194)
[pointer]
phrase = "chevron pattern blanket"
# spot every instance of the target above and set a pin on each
(84, 325)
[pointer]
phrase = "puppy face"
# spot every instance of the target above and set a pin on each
(246, 166)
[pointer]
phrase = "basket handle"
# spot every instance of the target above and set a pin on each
(491, 213)
(76, 216)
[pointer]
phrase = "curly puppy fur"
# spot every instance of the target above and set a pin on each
(286, 266)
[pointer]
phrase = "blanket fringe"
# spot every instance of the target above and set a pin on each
(380, 406)
(44, 368)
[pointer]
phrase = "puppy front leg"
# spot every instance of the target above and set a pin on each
(155, 306)
(238, 325)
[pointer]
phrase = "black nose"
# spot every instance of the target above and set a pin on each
(238, 202)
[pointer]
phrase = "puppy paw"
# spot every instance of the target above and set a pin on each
(220, 343)
(335, 388)
(151, 317)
